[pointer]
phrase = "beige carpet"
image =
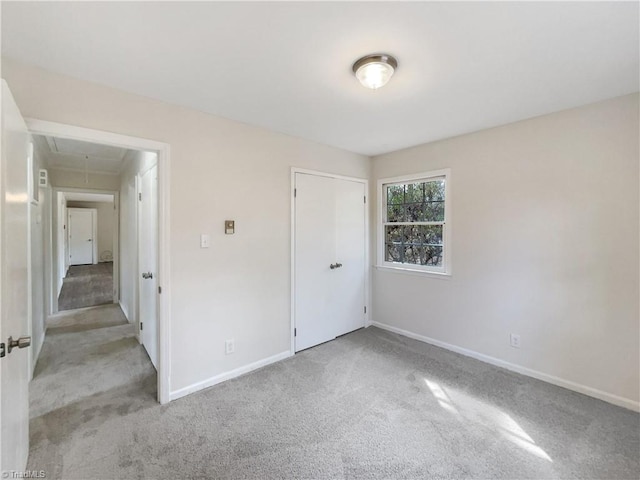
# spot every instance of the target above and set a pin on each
(368, 405)
(87, 286)
(86, 352)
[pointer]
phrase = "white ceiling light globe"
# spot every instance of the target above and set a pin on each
(374, 71)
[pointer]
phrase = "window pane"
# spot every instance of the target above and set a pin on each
(394, 234)
(431, 234)
(395, 213)
(413, 234)
(414, 244)
(433, 212)
(392, 253)
(412, 255)
(434, 190)
(415, 212)
(432, 256)
(395, 194)
(414, 193)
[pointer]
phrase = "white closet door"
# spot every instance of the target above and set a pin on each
(348, 280)
(315, 250)
(329, 258)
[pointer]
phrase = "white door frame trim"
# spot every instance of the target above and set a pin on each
(116, 239)
(367, 260)
(43, 127)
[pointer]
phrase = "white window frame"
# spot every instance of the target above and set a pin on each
(445, 269)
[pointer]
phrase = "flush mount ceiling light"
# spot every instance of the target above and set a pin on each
(374, 71)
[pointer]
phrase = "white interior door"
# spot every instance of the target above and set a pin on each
(315, 251)
(148, 261)
(349, 279)
(14, 322)
(329, 255)
(82, 228)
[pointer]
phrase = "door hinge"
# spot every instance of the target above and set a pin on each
(159, 289)
(2, 350)
(140, 326)
(365, 309)
(295, 333)
(295, 192)
(139, 197)
(365, 199)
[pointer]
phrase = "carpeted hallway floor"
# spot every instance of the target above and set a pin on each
(371, 404)
(86, 352)
(87, 286)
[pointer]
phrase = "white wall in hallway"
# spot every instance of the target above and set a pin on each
(136, 162)
(220, 170)
(74, 179)
(39, 230)
(545, 245)
(60, 257)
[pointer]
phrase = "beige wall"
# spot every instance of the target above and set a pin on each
(545, 245)
(545, 233)
(220, 169)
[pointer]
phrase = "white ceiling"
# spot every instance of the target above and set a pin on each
(88, 197)
(287, 66)
(74, 155)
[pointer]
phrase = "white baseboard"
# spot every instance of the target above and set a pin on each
(228, 375)
(576, 387)
(125, 311)
(38, 350)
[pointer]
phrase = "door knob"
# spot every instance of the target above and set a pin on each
(22, 342)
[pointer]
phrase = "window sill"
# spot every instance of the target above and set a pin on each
(411, 271)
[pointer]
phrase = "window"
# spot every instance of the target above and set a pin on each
(414, 212)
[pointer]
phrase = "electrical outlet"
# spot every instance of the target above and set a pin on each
(229, 346)
(514, 340)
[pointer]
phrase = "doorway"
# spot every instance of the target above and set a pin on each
(141, 156)
(28, 283)
(329, 268)
(87, 223)
(87, 248)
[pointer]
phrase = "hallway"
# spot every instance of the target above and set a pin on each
(91, 365)
(87, 286)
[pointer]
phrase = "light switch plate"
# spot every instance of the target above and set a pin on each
(205, 241)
